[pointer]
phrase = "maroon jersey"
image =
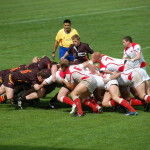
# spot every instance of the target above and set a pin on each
(43, 63)
(21, 77)
(5, 72)
(81, 52)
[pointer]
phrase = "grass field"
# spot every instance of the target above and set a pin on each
(27, 29)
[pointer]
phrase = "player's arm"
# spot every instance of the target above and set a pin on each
(68, 84)
(65, 55)
(137, 57)
(54, 70)
(114, 75)
(55, 48)
(37, 86)
(89, 65)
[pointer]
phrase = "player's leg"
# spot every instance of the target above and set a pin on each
(80, 92)
(62, 96)
(34, 95)
(114, 90)
(3, 96)
(9, 93)
(2, 89)
(142, 92)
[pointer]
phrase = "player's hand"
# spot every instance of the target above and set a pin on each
(106, 80)
(62, 58)
(53, 55)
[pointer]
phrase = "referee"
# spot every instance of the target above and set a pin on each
(63, 39)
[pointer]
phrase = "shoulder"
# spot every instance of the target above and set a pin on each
(74, 31)
(135, 45)
(84, 44)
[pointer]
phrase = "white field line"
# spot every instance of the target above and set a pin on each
(78, 15)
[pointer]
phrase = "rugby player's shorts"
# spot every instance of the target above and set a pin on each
(139, 76)
(111, 82)
(90, 83)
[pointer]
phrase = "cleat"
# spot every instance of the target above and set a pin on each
(73, 109)
(19, 104)
(51, 105)
(131, 113)
(147, 107)
(77, 115)
(100, 110)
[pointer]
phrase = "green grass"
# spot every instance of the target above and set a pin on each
(102, 26)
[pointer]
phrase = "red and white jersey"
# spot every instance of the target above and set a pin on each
(58, 78)
(112, 64)
(75, 74)
(101, 84)
(131, 52)
(133, 77)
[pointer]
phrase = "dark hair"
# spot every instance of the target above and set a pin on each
(76, 36)
(128, 38)
(67, 21)
(43, 73)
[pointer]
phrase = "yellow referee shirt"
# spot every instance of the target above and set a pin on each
(64, 38)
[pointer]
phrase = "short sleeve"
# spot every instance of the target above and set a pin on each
(48, 80)
(58, 36)
(137, 48)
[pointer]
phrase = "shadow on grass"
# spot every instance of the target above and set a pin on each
(20, 147)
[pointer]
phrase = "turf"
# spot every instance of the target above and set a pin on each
(28, 29)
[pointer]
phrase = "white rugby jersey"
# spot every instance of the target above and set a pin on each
(112, 64)
(58, 78)
(75, 73)
(131, 52)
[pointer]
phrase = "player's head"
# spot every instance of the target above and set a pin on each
(64, 64)
(76, 40)
(96, 57)
(43, 74)
(67, 25)
(127, 40)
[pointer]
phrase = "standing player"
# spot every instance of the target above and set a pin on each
(63, 38)
(79, 50)
(133, 53)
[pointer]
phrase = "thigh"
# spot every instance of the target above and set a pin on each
(2, 89)
(106, 99)
(9, 93)
(63, 92)
(41, 93)
(80, 90)
(141, 90)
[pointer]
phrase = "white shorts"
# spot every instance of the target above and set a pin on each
(111, 82)
(139, 76)
(90, 83)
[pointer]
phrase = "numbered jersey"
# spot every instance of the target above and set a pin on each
(75, 73)
(112, 64)
(25, 76)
